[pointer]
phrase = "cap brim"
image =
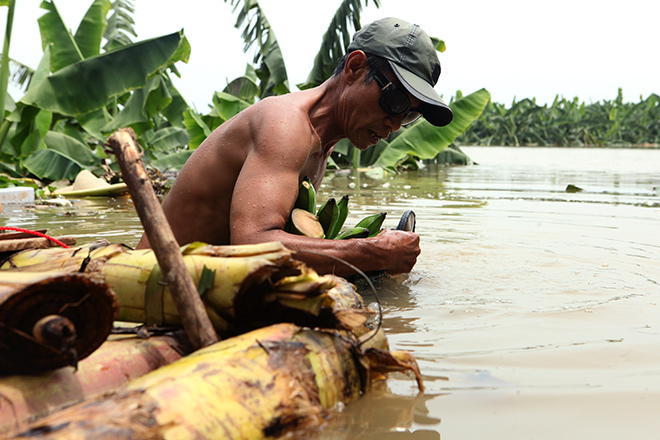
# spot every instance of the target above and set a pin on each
(433, 108)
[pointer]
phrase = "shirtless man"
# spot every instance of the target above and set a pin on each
(240, 185)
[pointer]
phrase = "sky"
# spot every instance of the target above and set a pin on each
(515, 49)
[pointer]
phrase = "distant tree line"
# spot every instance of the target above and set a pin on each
(567, 123)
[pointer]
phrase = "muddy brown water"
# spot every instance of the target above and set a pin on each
(533, 312)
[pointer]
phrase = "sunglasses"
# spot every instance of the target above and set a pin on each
(394, 101)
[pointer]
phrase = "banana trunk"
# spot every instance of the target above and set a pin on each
(26, 398)
(275, 381)
(49, 320)
(243, 287)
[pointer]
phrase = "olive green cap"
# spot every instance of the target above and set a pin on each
(413, 58)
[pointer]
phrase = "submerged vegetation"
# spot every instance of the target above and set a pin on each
(568, 123)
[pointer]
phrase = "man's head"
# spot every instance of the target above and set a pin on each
(412, 57)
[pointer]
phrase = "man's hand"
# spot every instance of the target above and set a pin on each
(397, 250)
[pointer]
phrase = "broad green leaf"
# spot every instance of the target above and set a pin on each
(51, 165)
(72, 148)
(4, 2)
(197, 129)
(10, 105)
(87, 85)
(90, 31)
(277, 82)
(132, 113)
(144, 104)
(256, 29)
(169, 139)
(93, 122)
(54, 34)
(63, 158)
(31, 144)
(244, 88)
(42, 71)
(120, 25)
(9, 170)
(32, 125)
(158, 96)
(227, 106)
(173, 161)
(425, 141)
(174, 112)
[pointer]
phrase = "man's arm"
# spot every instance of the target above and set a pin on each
(265, 193)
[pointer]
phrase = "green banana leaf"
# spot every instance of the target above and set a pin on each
(87, 85)
(144, 104)
(335, 41)
(256, 29)
(244, 88)
(63, 158)
(227, 106)
(90, 31)
(93, 122)
(178, 105)
(425, 141)
(197, 129)
(168, 139)
(54, 34)
(173, 161)
(120, 25)
(30, 131)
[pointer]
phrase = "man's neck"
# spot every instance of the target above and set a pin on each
(322, 114)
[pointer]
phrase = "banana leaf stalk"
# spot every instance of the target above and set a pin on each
(49, 320)
(276, 381)
(26, 398)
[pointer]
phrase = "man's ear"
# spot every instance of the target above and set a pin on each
(356, 66)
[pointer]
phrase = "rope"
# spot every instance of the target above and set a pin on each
(38, 234)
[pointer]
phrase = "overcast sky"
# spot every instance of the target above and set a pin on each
(513, 48)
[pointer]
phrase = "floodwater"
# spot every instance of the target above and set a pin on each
(533, 312)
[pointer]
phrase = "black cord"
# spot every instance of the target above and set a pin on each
(364, 275)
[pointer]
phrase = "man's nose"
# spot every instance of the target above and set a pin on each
(394, 122)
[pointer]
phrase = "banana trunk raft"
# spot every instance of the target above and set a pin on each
(242, 287)
(271, 382)
(303, 372)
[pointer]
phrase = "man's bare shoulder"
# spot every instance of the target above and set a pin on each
(281, 119)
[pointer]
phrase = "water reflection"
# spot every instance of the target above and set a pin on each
(380, 414)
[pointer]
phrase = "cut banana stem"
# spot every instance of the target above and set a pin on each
(305, 223)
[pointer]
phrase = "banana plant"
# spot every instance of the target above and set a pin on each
(76, 93)
(568, 122)
(420, 141)
(257, 30)
(425, 141)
